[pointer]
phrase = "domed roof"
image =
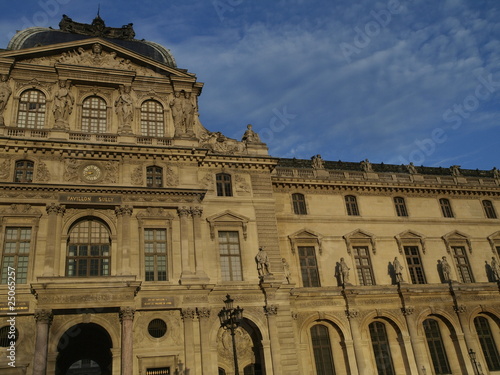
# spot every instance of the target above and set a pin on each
(70, 30)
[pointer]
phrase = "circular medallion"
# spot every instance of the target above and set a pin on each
(91, 172)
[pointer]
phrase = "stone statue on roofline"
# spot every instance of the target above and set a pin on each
(250, 136)
(366, 165)
(318, 162)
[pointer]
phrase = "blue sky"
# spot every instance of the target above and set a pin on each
(391, 81)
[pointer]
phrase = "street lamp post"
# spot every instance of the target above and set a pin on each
(230, 318)
(477, 367)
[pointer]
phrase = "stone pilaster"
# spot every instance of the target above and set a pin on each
(271, 312)
(184, 213)
(203, 317)
(188, 316)
(51, 262)
(43, 320)
(127, 357)
(123, 215)
(363, 366)
(196, 213)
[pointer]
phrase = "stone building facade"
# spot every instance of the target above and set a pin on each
(125, 223)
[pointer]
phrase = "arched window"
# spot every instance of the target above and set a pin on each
(489, 210)
(152, 124)
(400, 205)
(436, 347)
(351, 205)
(322, 349)
(446, 207)
(31, 112)
(224, 186)
(299, 204)
(89, 249)
(24, 171)
(154, 176)
(488, 345)
(94, 115)
(381, 349)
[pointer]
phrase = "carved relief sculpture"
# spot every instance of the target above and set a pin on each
(63, 105)
(183, 111)
(286, 270)
(5, 92)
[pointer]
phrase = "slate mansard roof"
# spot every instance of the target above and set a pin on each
(72, 31)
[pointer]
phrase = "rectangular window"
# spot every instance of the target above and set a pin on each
(363, 265)
(155, 254)
(446, 207)
(489, 210)
(16, 251)
(230, 256)
(351, 204)
(224, 185)
(462, 263)
(414, 262)
(309, 266)
(400, 205)
(299, 204)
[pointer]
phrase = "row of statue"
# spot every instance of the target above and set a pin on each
(396, 269)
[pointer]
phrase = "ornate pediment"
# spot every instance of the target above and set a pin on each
(410, 237)
(228, 218)
(360, 236)
(456, 238)
(304, 237)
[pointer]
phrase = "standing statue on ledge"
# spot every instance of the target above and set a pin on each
(495, 272)
(5, 92)
(63, 105)
(344, 271)
(446, 269)
(366, 165)
(398, 270)
(262, 262)
(124, 108)
(286, 270)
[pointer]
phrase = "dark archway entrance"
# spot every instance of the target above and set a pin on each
(85, 348)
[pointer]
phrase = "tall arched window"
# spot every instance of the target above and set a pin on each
(24, 171)
(381, 349)
(152, 124)
(436, 347)
(322, 349)
(488, 344)
(89, 249)
(94, 115)
(31, 112)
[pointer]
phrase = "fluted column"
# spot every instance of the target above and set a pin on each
(417, 344)
(271, 311)
(123, 215)
(183, 213)
(51, 263)
(363, 367)
(188, 316)
(204, 316)
(43, 320)
(127, 359)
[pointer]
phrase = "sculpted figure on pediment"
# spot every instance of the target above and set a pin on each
(5, 92)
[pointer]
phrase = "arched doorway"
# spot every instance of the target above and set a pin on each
(85, 348)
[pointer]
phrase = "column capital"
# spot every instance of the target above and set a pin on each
(126, 313)
(44, 316)
(183, 211)
(407, 310)
(352, 313)
(55, 209)
(460, 309)
(271, 310)
(196, 211)
(188, 313)
(123, 211)
(203, 312)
